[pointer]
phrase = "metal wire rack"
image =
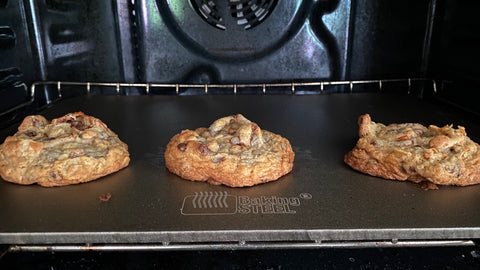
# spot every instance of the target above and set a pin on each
(291, 87)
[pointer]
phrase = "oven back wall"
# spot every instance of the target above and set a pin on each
(180, 41)
(170, 41)
(298, 41)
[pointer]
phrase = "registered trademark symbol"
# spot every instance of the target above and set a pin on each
(305, 196)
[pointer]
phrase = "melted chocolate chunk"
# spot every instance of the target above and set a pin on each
(30, 133)
(78, 125)
(56, 176)
(182, 147)
(203, 148)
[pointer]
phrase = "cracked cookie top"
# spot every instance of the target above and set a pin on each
(233, 151)
(71, 149)
(411, 151)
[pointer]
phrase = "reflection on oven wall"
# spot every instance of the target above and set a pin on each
(199, 41)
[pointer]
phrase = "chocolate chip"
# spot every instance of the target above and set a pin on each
(30, 133)
(55, 176)
(182, 147)
(78, 125)
(203, 148)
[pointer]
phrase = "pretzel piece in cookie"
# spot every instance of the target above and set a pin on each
(411, 151)
(72, 149)
(233, 151)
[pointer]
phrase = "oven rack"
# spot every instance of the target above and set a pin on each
(233, 87)
(265, 88)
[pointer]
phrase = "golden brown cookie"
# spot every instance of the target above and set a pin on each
(72, 149)
(409, 151)
(233, 151)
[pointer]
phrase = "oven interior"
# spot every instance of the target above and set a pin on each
(151, 68)
(234, 42)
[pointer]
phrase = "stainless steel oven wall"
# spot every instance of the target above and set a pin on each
(80, 40)
(17, 59)
(64, 40)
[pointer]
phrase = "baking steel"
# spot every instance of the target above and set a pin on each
(322, 199)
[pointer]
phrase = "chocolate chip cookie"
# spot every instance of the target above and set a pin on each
(233, 151)
(72, 149)
(410, 151)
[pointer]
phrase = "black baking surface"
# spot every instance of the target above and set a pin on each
(321, 199)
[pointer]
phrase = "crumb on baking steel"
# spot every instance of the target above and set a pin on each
(105, 197)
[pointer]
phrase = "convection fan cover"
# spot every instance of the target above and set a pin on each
(245, 13)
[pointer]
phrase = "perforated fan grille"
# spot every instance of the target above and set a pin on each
(246, 13)
(207, 9)
(251, 13)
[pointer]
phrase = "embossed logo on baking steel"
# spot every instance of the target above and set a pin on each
(222, 203)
